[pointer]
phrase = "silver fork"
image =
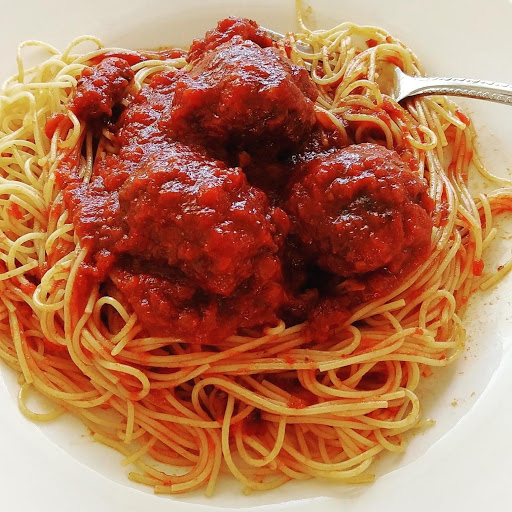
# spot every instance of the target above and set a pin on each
(399, 85)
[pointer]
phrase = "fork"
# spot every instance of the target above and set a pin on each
(400, 85)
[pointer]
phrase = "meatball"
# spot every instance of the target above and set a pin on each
(226, 30)
(195, 213)
(100, 88)
(360, 209)
(168, 303)
(243, 96)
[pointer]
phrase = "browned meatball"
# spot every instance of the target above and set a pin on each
(360, 209)
(195, 213)
(244, 96)
(168, 303)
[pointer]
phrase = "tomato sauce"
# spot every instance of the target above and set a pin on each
(478, 267)
(229, 204)
(100, 88)
(247, 30)
(14, 211)
(53, 123)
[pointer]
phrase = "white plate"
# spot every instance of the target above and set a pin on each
(465, 461)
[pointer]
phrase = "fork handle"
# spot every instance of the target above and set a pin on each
(472, 88)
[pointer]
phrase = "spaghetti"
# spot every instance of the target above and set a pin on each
(231, 408)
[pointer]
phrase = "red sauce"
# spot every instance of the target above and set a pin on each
(51, 348)
(478, 267)
(81, 291)
(28, 288)
(247, 30)
(190, 220)
(296, 402)
(14, 211)
(463, 117)
(100, 88)
(53, 123)
(397, 61)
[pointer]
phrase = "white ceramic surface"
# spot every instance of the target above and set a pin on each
(464, 462)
